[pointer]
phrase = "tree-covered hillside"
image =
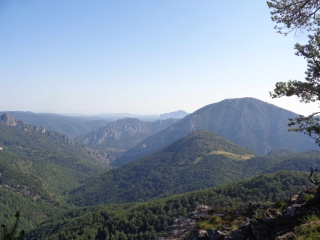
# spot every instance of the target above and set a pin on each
(148, 220)
(249, 122)
(21, 135)
(40, 168)
(197, 161)
(71, 126)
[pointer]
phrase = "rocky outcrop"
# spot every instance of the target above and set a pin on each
(183, 226)
(8, 119)
(179, 228)
(12, 122)
(201, 211)
(56, 137)
(124, 128)
(121, 135)
(260, 222)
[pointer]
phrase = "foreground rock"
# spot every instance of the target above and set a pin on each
(179, 229)
(259, 221)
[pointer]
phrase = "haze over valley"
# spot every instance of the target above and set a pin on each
(159, 120)
(51, 172)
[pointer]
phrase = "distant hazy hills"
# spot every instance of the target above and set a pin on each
(197, 161)
(177, 114)
(123, 134)
(41, 138)
(249, 122)
(67, 125)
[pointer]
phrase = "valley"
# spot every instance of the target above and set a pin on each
(160, 120)
(130, 179)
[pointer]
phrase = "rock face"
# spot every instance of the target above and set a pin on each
(8, 119)
(179, 228)
(123, 134)
(124, 128)
(177, 114)
(12, 122)
(183, 226)
(249, 122)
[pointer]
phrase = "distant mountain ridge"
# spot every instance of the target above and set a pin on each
(123, 134)
(62, 140)
(177, 114)
(249, 122)
(71, 126)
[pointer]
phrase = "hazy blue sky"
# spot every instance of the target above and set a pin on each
(147, 57)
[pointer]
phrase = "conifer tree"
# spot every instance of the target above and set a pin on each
(301, 15)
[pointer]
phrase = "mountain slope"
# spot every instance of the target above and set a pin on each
(123, 134)
(249, 122)
(33, 212)
(199, 160)
(148, 220)
(38, 137)
(67, 125)
(40, 164)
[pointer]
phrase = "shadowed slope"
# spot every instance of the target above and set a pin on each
(249, 122)
(191, 163)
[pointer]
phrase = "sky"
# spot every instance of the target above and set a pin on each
(141, 57)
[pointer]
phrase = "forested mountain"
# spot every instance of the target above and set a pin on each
(40, 138)
(43, 154)
(279, 153)
(71, 126)
(148, 220)
(44, 173)
(249, 122)
(40, 165)
(123, 134)
(197, 161)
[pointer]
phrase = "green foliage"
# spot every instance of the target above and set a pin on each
(71, 126)
(11, 232)
(248, 122)
(229, 221)
(173, 170)
(36, 171)
(176, 169)
(309, 229)
(33, 162)
(307, 91)
(293, 15)
(281, 205)
(148, 220)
